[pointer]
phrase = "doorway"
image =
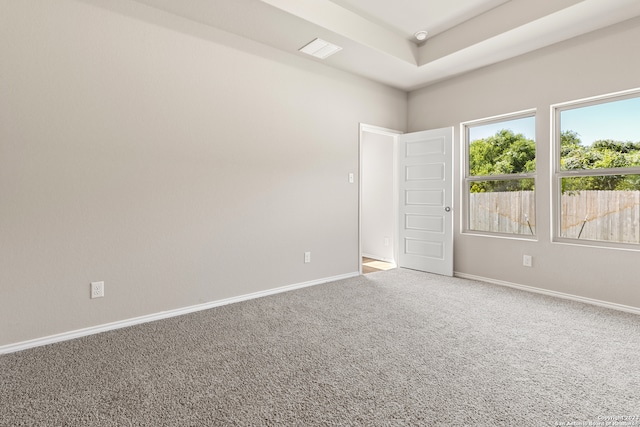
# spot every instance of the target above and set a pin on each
(378, 198)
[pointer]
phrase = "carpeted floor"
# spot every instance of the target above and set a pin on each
(392, 348)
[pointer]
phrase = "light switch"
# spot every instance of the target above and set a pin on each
(351, 178)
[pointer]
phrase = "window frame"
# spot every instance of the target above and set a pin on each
(558, 174)
(467, 179)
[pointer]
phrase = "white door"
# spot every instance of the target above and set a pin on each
(425, 201)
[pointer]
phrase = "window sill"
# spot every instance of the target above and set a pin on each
(629, 247)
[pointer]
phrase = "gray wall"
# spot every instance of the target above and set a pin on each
(178, 163)
(598, 63)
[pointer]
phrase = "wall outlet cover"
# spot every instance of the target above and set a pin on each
(97, 289)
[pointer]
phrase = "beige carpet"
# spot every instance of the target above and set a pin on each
(392, 348)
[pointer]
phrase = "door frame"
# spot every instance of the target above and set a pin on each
(394, 134)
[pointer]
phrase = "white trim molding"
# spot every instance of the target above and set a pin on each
(65, 336)
(591, 301)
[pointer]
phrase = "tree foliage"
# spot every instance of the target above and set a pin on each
(507, 153)
(602, 154)
(504, 153)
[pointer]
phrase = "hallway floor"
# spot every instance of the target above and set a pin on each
(370, 265)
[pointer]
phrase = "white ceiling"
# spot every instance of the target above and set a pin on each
(376, 35)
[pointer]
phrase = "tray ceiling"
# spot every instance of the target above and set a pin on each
(376, 36)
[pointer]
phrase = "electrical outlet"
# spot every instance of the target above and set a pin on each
(527, 260)
(386, 241)
(307, 257)
(97, 289)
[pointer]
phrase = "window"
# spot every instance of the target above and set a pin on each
(499, 182)
(597, 170)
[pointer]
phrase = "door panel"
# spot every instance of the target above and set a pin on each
(426, 194)
(432, 223)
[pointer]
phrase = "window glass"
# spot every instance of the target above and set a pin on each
(503, 206)
(601, 215)
(501, 148)
(601, 136)
(599, 171)
(500, 179)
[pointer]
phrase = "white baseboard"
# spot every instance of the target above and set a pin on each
(600, 303)
(51, 339)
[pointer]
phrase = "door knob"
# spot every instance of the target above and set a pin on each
(447, 209)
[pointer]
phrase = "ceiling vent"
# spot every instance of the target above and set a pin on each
(320, 49)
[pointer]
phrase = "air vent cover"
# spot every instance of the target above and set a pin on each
(320, 49)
